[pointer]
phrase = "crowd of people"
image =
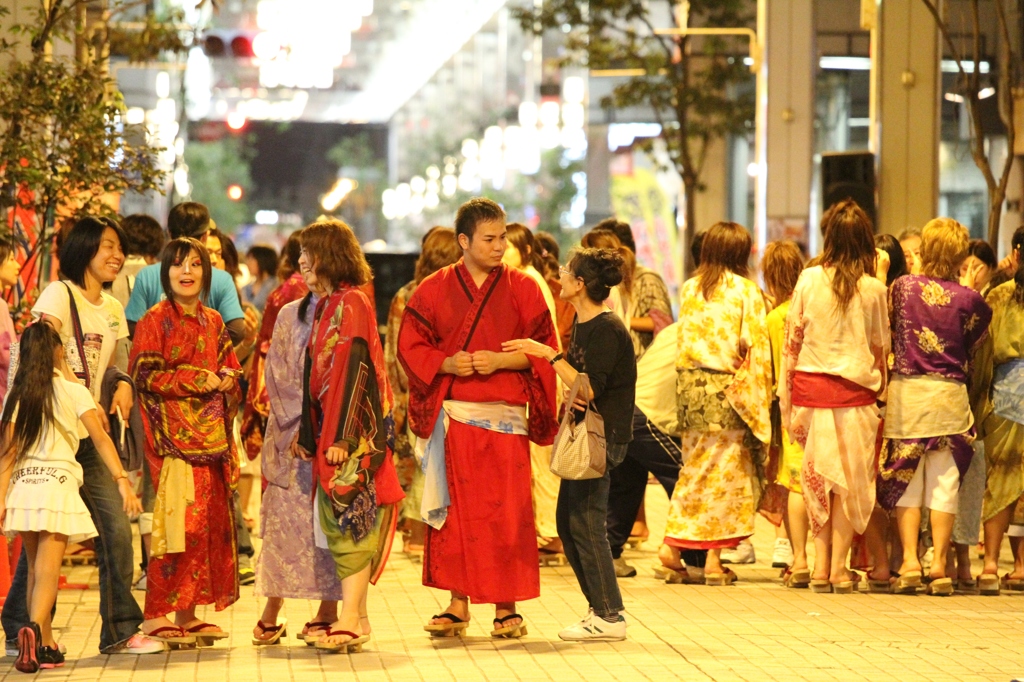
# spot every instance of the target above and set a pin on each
(881, 379)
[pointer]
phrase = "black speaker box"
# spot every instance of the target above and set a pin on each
(849, 175)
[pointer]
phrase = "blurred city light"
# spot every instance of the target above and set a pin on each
(135, 116)
(267, 217)
(236, 120)
(234, 192)
(342, 188)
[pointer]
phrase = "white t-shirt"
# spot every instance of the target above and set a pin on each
(656, 377)
(58, 442)
(102, 326)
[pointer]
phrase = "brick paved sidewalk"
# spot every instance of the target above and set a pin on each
(755, 630)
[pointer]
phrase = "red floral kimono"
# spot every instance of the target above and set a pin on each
(347, 399)
(487, 548)
(257, 403)
(171, 353)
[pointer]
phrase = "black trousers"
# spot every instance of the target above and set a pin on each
(651, 452)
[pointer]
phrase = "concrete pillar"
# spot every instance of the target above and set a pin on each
(790, 120)
(906, 94)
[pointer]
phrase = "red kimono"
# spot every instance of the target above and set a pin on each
(347, 398)
(257, 403)
(171, 353)
(487, 547)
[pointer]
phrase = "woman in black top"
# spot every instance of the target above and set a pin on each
(602, 348)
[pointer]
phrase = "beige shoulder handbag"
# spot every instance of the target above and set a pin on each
(580, 449)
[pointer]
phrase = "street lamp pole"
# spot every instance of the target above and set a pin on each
(759, 68)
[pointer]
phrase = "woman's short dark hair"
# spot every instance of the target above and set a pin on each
(188, 219)
(143, 235)
(81, 244)
(337, 257)
(897, 259)
(982, 250)
(600, 270)
(521, 238)
(474, 211)
(288, 264)
(265, 257)
(176, 251)
(228, 252)
(547, 244)
(8, 245)
(695, 247)
(621, 229)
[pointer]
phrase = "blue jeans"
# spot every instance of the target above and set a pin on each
(650, 451)
(120, 615)
(580, 515)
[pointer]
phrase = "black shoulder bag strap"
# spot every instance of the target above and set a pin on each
(76, 328)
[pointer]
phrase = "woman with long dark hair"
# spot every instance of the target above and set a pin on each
(833, 371)
(40, 425)
(724, 399)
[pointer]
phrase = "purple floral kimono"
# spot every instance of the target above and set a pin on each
(290, 565)
(937, 325)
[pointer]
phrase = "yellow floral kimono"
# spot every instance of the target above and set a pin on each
(1003, 435)
(724, 400)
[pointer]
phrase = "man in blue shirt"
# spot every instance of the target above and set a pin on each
(188, 219)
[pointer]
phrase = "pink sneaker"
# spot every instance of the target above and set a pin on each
(137, 644)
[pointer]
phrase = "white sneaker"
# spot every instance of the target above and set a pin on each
(595, 629)
(782, 556)
(743, 554)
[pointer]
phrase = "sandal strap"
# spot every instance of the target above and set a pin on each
(510, 616)
(167, 628)
(336, 633)
(450, 616)
(318, 624)
(268, 628)
(198, 628)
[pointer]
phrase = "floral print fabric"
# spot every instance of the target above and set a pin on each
(723, 398)
(1004, 438)
(937, 326)
(728, 334)
(840, 443)
(722, 475)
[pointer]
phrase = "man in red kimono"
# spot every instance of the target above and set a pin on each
(469, 401)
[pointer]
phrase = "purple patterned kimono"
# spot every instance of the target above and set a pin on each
(289, 565)
(936, 327)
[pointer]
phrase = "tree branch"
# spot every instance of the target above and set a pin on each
(944, 31)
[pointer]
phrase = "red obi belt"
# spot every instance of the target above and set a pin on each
(828, 391)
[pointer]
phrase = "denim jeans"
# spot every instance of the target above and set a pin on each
(581, 515)
(120, 615)
(651, 451)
